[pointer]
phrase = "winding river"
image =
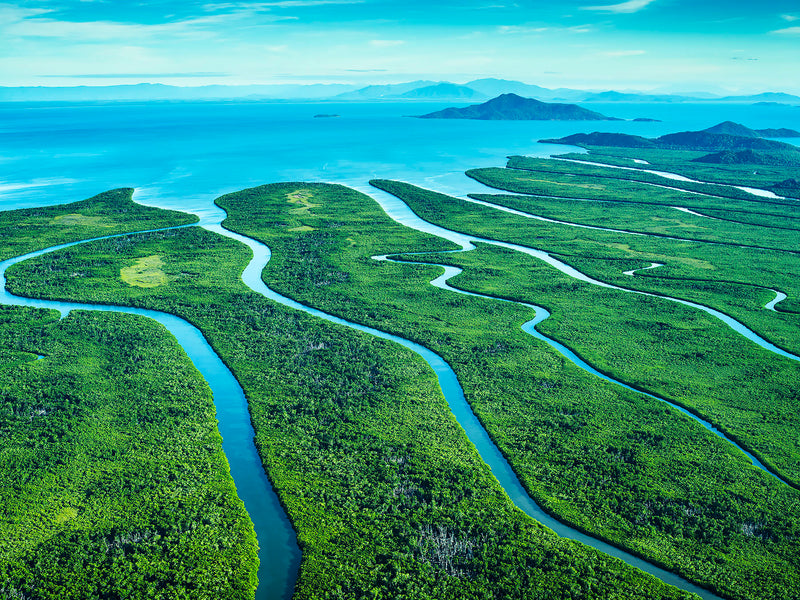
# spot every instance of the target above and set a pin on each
(541, 314)
(454, 396)
(278, 552)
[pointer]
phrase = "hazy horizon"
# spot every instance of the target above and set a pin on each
(644, 45)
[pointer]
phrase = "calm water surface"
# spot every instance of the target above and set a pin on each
(183, 155)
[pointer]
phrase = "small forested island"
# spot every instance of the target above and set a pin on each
(511, 107)
(615, 353)
(325, 116)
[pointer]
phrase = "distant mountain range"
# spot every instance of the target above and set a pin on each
(158, 91)
(443, 90)
(478, 89)
(728, 142)
(511, 107)
(382, 92)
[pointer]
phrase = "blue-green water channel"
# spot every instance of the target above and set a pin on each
(183, 155)
(279, 554)
(278, 550)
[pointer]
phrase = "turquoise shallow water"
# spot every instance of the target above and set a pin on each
(183, 155)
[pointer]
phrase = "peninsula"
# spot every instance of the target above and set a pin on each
(726, 136)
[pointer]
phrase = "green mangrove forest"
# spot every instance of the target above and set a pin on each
(115, 483)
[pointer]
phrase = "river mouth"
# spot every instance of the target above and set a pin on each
(280, 584)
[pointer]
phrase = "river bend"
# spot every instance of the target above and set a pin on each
(278, 551)
(278, 554)
(541, 314)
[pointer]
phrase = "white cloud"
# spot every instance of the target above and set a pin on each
(788, 31)
(514, 29)
(522, 29)
(631, 6)
(293, 3)
(618, 53)
(790, 18)
(386, 43)
(10, 13)
(257, 6)
(32, 24)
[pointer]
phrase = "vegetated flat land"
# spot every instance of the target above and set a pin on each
(111, 212)
(384, 490)
(386, 494)
(611, 461)
(113, 482)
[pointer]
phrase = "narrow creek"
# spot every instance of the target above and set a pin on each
(675, 177)
(278, 550)
(769, 306)
(529, 327)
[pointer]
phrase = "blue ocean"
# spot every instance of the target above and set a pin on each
(183, 155)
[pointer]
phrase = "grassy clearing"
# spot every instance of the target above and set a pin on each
(145, 272)
(79, 220)
(303, 198)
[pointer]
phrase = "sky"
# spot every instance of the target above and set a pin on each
(659, 45)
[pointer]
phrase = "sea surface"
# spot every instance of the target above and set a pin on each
(182, 155)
